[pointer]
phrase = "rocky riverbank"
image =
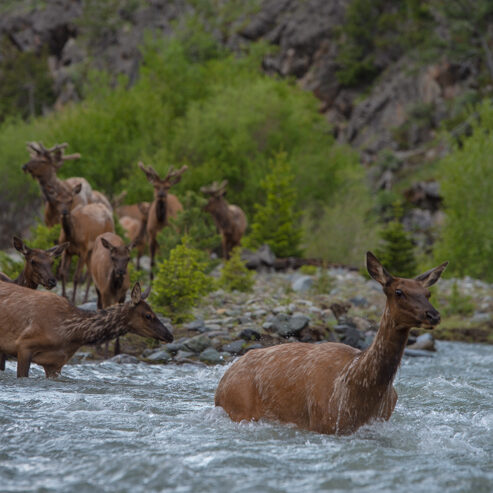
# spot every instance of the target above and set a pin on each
(337, 305)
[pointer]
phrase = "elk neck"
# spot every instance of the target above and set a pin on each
(24, 280)
(220, 213)
(116, 282)
(95, 328)
(161, 210)
(378, 365)
(67, 226)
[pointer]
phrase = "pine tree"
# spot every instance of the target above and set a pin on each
(396, 251)
(276, 223)
(235, 275)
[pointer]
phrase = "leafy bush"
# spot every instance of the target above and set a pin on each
(9, 266)
(308, 270)
(396, 250)
(235, 275)
(466, 178)
(180, 282)
(458, 303)
(276, 222)
(44, 237)
(193, 222)
(343, 231)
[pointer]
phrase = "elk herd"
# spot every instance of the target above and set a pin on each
(328, 388)
(87, 232)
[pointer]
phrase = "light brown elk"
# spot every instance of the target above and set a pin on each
(37, 270)
(164, 206)
(38, 265)
(136, 229)
(80, 227)
(332, 388)
(43, 166)
(44, 328)
(109, 261)
(230, 219)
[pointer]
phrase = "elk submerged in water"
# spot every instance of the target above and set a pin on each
(229, 218)
(332, 388)
(44, 328)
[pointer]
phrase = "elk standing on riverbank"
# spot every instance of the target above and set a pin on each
(109, 261)
(332, 388)
(230, 219)
(44, 328)
(136, 227)
(164, 206)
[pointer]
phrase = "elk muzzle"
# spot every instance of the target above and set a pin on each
(432, 318)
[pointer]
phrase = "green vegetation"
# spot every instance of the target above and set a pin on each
(235, 275)
(396, 250)
(180, 283)
(9, 266)
(458, 303)
(276, 222)
(193, 222)
(43, 237)
(466, 178)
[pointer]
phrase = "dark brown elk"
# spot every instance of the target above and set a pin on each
(136, 228)
(332, 388)
(38, 265)
(230, 219)
(44, 328)
(43, 166)
(80, 227)
(109, 261)
(37, 270)
(164, 206)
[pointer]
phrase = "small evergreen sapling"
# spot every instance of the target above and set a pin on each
(276, 223)
(235, 275)
(396, 251)
(180, 283)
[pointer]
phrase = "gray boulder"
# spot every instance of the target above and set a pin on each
(235, 347)
(210, 355)
(124, 359)
(302, 284)
(197, 344)
(286, 325)
(424, 342)
(159, 356)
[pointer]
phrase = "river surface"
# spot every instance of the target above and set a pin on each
(140, 428)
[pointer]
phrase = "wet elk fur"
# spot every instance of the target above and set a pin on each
(330, 387)
(44, 328)
(164, 205)
(230, 219)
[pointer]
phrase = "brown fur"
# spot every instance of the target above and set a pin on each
(41, 327)
(164, 205)
(330, 387)
(230, 220)
(136, 229)
(80, 227)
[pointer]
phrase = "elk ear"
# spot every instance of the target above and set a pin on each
(77, 188)
(377, 271)
(20, 245)
(57, 250)
(147, 292)
(136, 293)
(431, 277)
(132, 245)
(106, 244)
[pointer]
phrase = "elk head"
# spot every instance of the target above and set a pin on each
(143, 321)
(120, 256)
(63, 199)
(407, 299)
(44, 163)
(39, 263)
(216, 193)
(162, 185)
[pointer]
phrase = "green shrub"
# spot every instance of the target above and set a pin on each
(234, 274)
(44, 237)
(276, 222)
(458, 303)
(180, 283)
(323, 283)
(193, 222)
(9, 266)
(396, 250)
(466, 176)
(308, 270)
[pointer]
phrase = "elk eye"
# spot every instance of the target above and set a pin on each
(148, 316)
(398, 292)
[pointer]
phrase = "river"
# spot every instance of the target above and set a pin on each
(140, 428)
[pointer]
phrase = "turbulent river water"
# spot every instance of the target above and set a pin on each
(118, 428)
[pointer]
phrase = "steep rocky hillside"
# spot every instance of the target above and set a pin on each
(390, 110)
